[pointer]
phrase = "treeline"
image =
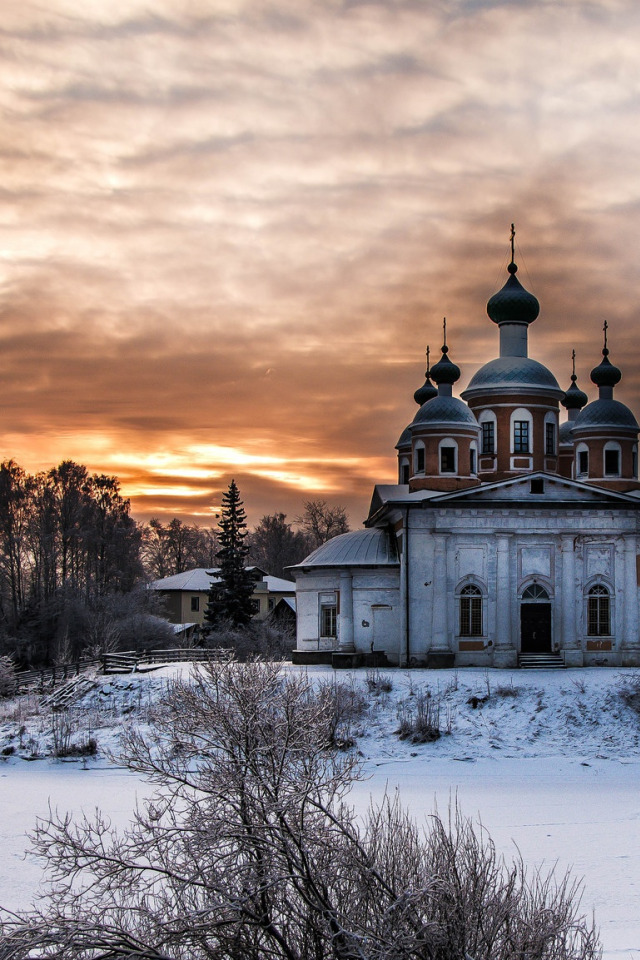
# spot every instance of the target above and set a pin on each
(74, 563)
(67, 544)
(273, 545)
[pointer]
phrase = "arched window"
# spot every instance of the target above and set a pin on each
(404, 471)
(598, 612)
(418, 458)
(582, 461)
(448, 451)
(473, 458)
(470, 611)
(612, 459)
(521, 431)
(550, 434)
(535, 592)
(487, 422)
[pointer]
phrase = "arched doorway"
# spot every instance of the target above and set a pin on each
(535, 620)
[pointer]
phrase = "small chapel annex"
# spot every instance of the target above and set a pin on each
(508, 536)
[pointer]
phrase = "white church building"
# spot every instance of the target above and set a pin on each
(508, 539)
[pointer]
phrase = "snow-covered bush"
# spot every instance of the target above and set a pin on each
(248, 850)
(378, 683)
(629, 690)
(265, 640)
(420, 721)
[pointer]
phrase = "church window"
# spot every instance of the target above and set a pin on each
(583, 463)
(405, 473)
(634, 463)
(535, 592)
(472, 460)
(550, 439)
(521, 436)
(470, 611)
(447, 459)
(611, 462)
(329, 619)
(488, 436)
(419, 459)
(599, 612)
(537, 485)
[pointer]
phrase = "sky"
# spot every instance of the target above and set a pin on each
(230, 228)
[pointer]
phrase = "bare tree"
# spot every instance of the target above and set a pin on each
(321, 522)
(248, 850)
(176, 546)
(275, 545)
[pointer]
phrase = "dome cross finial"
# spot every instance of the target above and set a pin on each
(573, 363)
(513, 243)
(445, 348)
(428, 363)
(605, 351)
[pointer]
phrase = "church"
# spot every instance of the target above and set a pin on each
(509, 539)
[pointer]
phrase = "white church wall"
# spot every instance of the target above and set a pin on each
(371, 590)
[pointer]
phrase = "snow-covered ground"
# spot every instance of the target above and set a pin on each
(548, 761)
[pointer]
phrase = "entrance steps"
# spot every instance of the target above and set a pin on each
(540, 661)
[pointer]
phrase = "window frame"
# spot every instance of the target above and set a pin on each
(550, 448)
(471, 611)
(599, 611)
(488, 437)
(328, 619)
(521, 436)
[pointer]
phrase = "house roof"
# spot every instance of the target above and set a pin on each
(200, 579)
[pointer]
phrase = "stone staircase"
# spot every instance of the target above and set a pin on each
(540, 661)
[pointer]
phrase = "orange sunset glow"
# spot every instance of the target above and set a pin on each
(231, 227)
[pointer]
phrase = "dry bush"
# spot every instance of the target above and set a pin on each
(420, 722)
(629, 691)
(247, 851)
(378, 683)
(259, 640)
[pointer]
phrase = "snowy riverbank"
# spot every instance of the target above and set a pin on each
(550, 763)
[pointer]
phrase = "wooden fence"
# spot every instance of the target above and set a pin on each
(126, 662)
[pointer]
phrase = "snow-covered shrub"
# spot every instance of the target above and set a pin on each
(629, 691)
(420, 722)
(258, 640)
(378, 683)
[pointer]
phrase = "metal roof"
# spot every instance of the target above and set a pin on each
(513, 372)
(359, 548)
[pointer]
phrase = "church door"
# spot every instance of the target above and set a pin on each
(535, 627)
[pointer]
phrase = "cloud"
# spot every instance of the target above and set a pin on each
(239, 225)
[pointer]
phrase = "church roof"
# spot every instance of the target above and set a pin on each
(444, 410)
(606, 413)
(513, 373)
(359, 548)
(513, 304)
(405, 438)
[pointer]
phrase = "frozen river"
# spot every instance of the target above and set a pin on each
(555, 810)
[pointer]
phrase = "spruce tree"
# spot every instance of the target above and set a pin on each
(230, 599)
